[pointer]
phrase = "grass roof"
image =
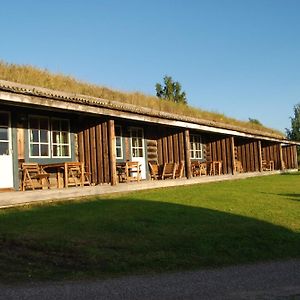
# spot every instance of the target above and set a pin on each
(33, 76)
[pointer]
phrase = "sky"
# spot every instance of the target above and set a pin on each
(237, 57)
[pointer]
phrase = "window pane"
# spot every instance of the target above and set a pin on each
(118, 152)
(34, 150)
(140, 152)
(65, 137)
(44, 150)
(140, 141)
(55, 137)
(55, 150)
(44, 136)
(118, 142)
(34, 135)
(3, 148)
(65, 151)
(3, 133)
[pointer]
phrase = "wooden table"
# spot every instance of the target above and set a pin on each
(59, 169)
(62, 172)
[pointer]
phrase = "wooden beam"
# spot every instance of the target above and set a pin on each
(232, 155)
(112, 152)
(148, 115)
(259, 156)
(187, 153)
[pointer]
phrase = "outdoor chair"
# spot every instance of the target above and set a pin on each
(203, 168)
(154, 171)
(133, 171)
(169, 170)
(179, 170)
(33, 177)
(267, 165)
(75, 174)
(238, 166)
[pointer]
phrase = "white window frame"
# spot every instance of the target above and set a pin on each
(39, 143)
(50, 140)
(121, 142)
(60, 143)
(196, 146)
(131, 129)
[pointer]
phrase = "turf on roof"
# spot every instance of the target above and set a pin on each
(33, 76)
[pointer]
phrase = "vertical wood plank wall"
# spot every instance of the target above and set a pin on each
(166, 145)
(271, 151)
(289, 155)
(247, 152)
(94, 142)
(220, 148)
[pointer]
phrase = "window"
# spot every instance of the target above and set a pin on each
(60, 138)
(39, 138)
(43, 138)
(137, 142)
(119, 144)
(196, 147)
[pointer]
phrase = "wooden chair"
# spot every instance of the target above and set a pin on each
(203, 168)
(154, 171)
(238, 166)
(195, 168)
(215, 167)
(34, 177)
(133, 171)
(267, 165)
(169, 170)
(75, 174)
(179, 170)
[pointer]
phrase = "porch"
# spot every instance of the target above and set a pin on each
(20, 198)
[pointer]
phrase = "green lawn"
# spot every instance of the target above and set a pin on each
(171, 229)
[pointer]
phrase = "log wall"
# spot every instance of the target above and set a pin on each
(220, 148)
(289, 155)
(271, 151)
(247, 152)
(94, 142)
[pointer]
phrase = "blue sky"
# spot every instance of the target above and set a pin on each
(238, 57)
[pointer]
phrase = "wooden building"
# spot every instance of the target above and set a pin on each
(45, 126)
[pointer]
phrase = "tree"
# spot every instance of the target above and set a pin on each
(170, 91)
(294, 132)
(255, 121)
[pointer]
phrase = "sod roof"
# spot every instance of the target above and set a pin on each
(43, 83)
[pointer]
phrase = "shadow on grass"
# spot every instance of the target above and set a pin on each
(105, 238)
(294, 197)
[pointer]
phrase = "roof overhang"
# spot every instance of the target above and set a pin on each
(49, 100)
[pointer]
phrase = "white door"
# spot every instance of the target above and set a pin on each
(137, 148)
(6, 161)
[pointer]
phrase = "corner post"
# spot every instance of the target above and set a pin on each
(232, 155)
(259, 156)
(187, 153)
(112, 152)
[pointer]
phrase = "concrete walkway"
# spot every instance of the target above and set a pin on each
(9, 199)
(278, 280)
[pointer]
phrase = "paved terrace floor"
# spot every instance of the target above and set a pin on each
(10, 199)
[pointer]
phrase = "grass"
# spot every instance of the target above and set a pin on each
(171, 229)
(33, 76)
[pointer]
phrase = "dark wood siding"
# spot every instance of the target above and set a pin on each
(220, 148)
(93, 149)
(247, 152)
